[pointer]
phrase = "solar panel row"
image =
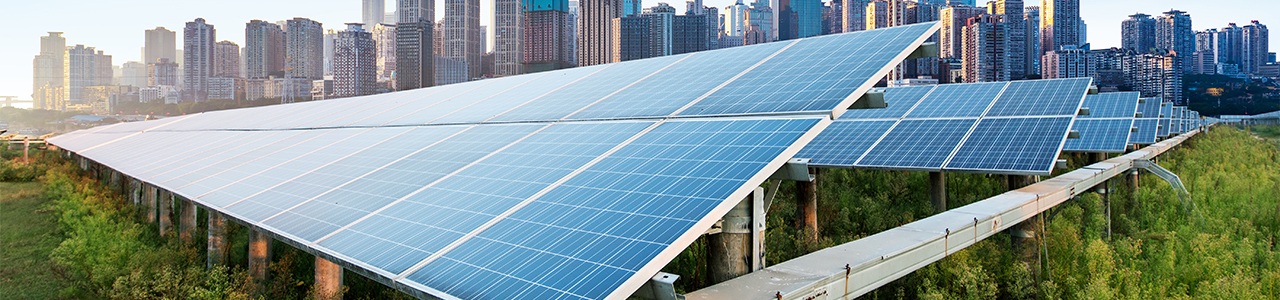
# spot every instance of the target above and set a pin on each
(576, 183)
(1107, 127)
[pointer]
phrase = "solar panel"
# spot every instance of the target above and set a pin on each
(1101, 135)
(1146, 133)
(958, 100)
(576, 183)
(1150, 108)
(842, 143)
(1054, 97)
(917, 144)
(1111, 105)
(1163, 129)
(1012, 145)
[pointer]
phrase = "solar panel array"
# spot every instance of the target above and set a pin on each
(1000, 128)
(570, 184)
(1107, 127)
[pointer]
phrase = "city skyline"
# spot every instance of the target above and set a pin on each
(124, 37)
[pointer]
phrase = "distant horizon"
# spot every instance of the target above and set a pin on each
(122, 37)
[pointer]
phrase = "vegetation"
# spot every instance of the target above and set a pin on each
(1156, 249)
(1213, 95)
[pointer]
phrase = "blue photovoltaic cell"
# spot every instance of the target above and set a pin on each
(404, 176)
(1111, 105)
(1166, 110)
(1053, 97)
(1150, 108)
(814, 74)
(157, 174)
(579, 95)
(917, 144)
(1019, 145)
(1146, 133)
(1100, 135)
(425, 222)
(958, 100)
(1163, 130)
(673, 88)
(606, 223)
(843, 142)
(550, 81)
(899, 101)
(268, 160)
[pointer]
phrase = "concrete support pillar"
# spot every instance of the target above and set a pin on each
(165, 202)
(1106, 205)
(938, 191)
(730, 250)
(187, 220)
(1026, 241)
(217, 254)
(328, 280)
(259, 258)
(149, 202)
(807, 205)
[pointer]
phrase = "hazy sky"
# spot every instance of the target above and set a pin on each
(116, 27)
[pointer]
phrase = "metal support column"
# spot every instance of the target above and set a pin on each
(938, 191)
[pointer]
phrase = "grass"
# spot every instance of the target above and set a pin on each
(27, 234)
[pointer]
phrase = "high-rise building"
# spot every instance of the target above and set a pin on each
(1031, 16)
(304, 51)
(1138, 33)
(330, 36)
(160, 43)
(660, 39)
(795, 19)
(163, 73)
(49, 68)
(759, 21)
(833, 17)
(1173, 32)
(415, 58)
(450, 71)
(226, 59)
(951, 35)
(264, 49)
(735, 19)
(1067, 62)
(197, 49)
(985, 44)
(1203, 60)
(1060, 25)
(462, 34)
(508, 34)
(133, 74)
(689, 34)
(632, 39)
(631, 8)
(372, 12)
(355, 62)
(86, 67)
(410, 11)
(885, 14)
(854, 15)
(1013, 56)
(1254, 51)
(547, 38)
(384, 38)
(595, 30)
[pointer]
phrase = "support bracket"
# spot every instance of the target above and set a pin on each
(870, 100)
(796, 169)
(660, 287)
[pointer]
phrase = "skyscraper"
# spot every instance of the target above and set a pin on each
(304, 50)
(264, 49)
(854, 14)
(372, 12)
(632, 39)
(795, 19)
(547, 37)
(462, 34)
(1013, 55)
(661, 16)
(595, 30)
(1204, 61)
(415, 38)
(133, 74)
(163, 73)
(885, 14)
(48, 70)
(1032, 19)
(86, 67)
(1138, 33)
(354, 62)
(226, 59)
(1059, 24)
(1227, 45)
(508, 33)
(197, 47)
(1173, 32)
(1254, 49)
(384, 38)
(734, 19)
(759, 24)
(160, 43)
(1067, 62)
(951, 35)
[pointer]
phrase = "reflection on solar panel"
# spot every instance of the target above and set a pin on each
(1146, 133)
(942, 130)
(576, 183)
